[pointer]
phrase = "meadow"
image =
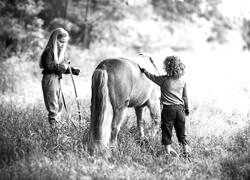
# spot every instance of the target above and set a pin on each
(218, 129)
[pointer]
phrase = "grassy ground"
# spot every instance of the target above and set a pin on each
(218, 133)
(30, 151)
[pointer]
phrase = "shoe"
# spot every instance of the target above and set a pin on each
(170, 151)
(173, 153)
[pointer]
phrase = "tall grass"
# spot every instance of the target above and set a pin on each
(29, 150)
(218, 134)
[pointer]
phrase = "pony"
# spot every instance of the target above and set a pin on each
(118, 84)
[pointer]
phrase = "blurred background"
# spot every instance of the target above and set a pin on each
(211, 37)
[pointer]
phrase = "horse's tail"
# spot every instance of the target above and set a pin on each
(101, 111)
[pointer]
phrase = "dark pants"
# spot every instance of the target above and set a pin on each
(173, 115)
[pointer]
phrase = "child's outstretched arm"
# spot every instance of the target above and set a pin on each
(156, 79)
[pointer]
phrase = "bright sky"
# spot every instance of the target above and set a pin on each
(234, 9)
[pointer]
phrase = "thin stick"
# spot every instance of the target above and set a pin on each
(151, 60)
(76, 97)
(64, 103)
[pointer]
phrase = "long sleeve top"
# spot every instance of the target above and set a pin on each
(173, 90)
(49, 65)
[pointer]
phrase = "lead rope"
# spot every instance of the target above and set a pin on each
(64, 103)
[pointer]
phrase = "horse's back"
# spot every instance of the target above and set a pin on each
(127, 85)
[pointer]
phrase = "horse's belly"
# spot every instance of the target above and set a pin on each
(140, 96)
(135, 103)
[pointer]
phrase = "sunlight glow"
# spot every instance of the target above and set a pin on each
(235, 9)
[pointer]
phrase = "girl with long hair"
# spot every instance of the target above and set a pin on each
(54, 64)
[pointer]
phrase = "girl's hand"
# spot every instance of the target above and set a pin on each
(66, 66)
(62, 68)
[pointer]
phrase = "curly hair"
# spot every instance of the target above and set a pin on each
(174, 67)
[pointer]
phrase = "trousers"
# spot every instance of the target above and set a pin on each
(52, 96)
(173, 116)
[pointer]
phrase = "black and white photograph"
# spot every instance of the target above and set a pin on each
(124, 89)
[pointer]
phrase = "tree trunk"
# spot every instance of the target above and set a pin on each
(86, 28)
(66, 7)
(87, 36)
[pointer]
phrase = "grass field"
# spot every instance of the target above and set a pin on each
(218, 129)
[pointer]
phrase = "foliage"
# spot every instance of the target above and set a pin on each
(176, 10)
(246, 33)
(24, 21)
(21, 28)
(17, 76)
(80, 17)
(182, 11)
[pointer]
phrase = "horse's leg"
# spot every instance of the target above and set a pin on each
(119, 114)
(155, 113)
(144, 142)
(139, 113)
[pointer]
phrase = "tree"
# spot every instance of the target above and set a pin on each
(176, 10)
(81, 18)
(20, 26)
(246, 33)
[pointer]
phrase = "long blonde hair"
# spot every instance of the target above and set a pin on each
(52, 44)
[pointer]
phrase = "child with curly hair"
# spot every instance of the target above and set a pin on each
(54, 64)
(175, 103)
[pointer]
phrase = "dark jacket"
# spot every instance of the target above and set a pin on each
(173, 90)
(49, 65)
